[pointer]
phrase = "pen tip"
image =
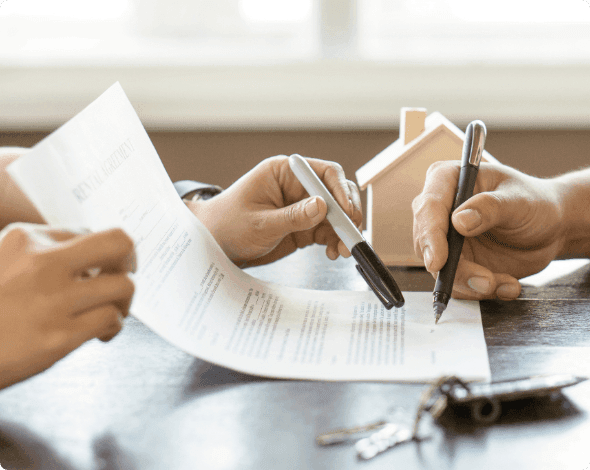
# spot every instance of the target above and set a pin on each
(438, 310)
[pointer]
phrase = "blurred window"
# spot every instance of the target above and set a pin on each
(195, 32)
(447, 31)
(157, 32)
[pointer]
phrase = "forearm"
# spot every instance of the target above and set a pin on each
(14, 205)
(574, 190)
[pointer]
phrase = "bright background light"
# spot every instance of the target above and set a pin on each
(521, 11)
(276, 11)
(67, 9)
(277, 62)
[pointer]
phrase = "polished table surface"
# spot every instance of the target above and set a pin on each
(140, 403)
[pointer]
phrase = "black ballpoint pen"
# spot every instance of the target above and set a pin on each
(475, 137)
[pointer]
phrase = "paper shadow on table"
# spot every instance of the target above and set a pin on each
(204, 377)
(21, 449)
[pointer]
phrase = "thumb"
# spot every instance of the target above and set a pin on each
(297, 217)
(487, 210)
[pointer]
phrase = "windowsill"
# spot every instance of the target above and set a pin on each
(305, 95)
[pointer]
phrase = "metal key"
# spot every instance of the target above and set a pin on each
(391, 435)
(339, 436)
(394, 415)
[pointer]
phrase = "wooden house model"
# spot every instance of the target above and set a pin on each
(396, 176)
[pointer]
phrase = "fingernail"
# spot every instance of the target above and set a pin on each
(427, 257)
(350, 206)
(479, 284)
(509, 291)
(311, 208)
(470, 219)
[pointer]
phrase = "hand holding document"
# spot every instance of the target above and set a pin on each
(100, 170)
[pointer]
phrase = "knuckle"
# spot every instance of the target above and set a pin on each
(354, 189)
(273, 161)
(416, 202)
(128, 287)
(18, 232)
(115, 241)
(442, 166)
(335, 167)
(113, 327)
(17, 238)
(492, 200)
(278, 158)
(113, 319)
(421, 204)
(291, 215)
(120, 238)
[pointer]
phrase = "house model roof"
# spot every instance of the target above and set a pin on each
(398, 152)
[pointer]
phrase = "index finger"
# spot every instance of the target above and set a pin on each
(47, 236)
(431, 210)
(110, 251)
(43, 235)
(332, 175)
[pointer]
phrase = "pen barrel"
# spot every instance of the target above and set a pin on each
(341, 223)
(467, 179)
(446, 276)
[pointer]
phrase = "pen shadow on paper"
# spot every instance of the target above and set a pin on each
(22, 449)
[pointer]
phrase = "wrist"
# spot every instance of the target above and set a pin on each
(208, 212)
(201, 201)
(573, 192)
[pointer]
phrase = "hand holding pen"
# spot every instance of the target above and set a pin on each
(370, 267)
(513, 227)
(475, 137)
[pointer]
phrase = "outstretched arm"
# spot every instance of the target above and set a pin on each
(514, 225)
(14, 205)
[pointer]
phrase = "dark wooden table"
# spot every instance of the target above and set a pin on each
(139, 403)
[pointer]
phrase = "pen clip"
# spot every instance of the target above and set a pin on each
(376, 289)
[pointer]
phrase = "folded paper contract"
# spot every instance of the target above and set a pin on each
(100, 170)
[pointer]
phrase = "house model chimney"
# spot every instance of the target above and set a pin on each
(411, 123)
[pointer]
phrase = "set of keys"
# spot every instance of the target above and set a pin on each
(397, 429)
(484, 401)
(375, 437)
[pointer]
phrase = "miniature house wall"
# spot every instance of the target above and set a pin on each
(396, 176)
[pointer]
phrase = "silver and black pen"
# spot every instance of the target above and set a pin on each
(370, 266)
(475, 137)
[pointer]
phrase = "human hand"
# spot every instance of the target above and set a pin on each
(267, 213)
(49, 302)
(512, 224)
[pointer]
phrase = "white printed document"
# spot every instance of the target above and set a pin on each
(100, 170)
